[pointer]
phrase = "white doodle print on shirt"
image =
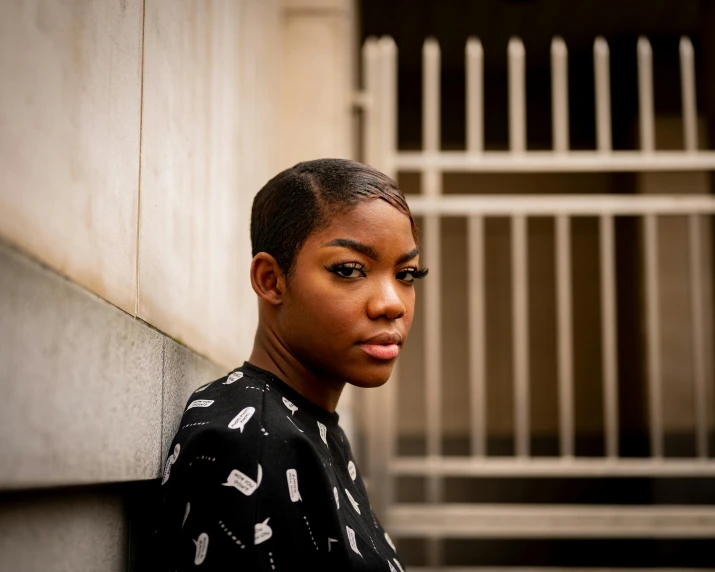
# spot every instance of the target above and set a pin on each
(243, 482)
(323, 432)
(392, 568)
(169, 462)
(235, 376)
(203, 387)
(351, 470)
(290, 406)
(231, 535)
(389, 541)
(186, 514)
(396, 561)
(352, 501)
(299, 429)
(200, 403)
(262, 532)
(239, 422)
(293, 491)
(310, 531)
(351, 539)
(330, 542)
(202, 546)
(337, 500)
(197, 424)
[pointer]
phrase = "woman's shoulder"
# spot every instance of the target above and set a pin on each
(226, 404)
(240, 406)
(230, 385)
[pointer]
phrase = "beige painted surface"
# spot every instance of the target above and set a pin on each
(209, 103)
(70, 76)
(317, 90)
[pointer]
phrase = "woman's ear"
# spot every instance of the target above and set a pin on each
(267, 279)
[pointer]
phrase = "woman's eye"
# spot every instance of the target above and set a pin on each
(347, 272)
(406, 275)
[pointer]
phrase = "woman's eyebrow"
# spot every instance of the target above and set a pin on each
(368, 251)
(407, 256)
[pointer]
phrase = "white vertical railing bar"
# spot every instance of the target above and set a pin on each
(517, 95)
(431, 186)
(477, 354)
(433, 365)
(565, 334)
(390, 411)
(431, 95)
(602, 73)
(371, 85)
(696, 312)
(431, 177)
(687, 81)
(388, 104)
(373, 156)
(609, 334)
(388, 135)
(650, 226)
(645, 95)
(475, 96)
(520, 333)
(433, 357)
(559, 95)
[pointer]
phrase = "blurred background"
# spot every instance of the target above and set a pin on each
(554, 407)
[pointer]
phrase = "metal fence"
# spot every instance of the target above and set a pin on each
(436, 520)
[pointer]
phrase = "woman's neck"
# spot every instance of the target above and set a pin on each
(270, 354)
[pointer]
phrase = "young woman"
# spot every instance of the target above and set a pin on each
(260, 475)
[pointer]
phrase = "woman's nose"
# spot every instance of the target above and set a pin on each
(386, 301)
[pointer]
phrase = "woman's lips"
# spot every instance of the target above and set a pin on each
(381, 351)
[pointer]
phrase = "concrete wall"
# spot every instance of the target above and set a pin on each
(133, 137)
(91, 398)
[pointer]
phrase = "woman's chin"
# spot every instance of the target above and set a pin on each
(374, 376)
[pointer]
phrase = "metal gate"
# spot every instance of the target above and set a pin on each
(435, 520)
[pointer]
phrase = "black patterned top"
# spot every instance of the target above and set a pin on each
(259, 478)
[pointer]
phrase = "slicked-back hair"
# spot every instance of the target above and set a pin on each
(302, 199)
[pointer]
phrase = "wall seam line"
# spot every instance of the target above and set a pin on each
(139, 181)
(161, 413)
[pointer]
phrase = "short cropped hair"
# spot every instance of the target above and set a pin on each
(301, 200)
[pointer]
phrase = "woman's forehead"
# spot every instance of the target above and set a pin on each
(370, 222)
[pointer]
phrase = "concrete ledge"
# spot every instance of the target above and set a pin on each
(184, 372)
(82, 383)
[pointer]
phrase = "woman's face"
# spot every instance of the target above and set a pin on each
(349, 303)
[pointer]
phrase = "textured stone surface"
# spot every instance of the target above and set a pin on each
(63, 531)
(81, 383)
(70, 89)
(207, 132)
(184, 372)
